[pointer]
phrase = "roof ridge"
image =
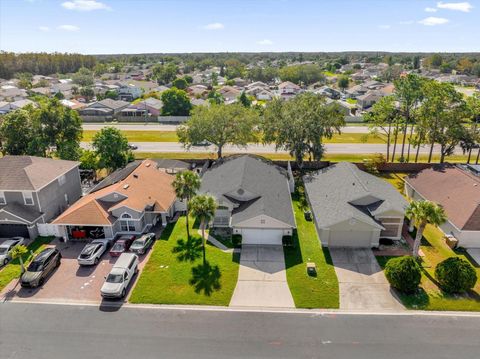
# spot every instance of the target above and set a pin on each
(354, 173)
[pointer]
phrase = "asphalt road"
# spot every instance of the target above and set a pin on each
(55, 331)
(336, 148)
(163, 127)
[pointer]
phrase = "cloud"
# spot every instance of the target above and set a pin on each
(384, 27)
(85, 5)
(265, 42)
(456, 6)
(430, 9)
(44, 28)
(68, 28)
(432, 21)
(406, 22)
(214, 26)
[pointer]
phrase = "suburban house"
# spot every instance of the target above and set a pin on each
(130, 201)
(253, 198)
(369, 99)
(457, 190)
(105, 110)
(352, 208)
(129, 92)
(288, 89)
(33, 191)
(151, 104)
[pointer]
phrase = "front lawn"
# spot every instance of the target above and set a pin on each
(310, 292)
(139, 136)
(13, 270)
(166, 280)
(429, 296)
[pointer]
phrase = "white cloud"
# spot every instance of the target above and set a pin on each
(44, 28)
(406, 22)
(68, 28)
(85, 5)
(456, 6)
(214, 26)
(432, 21)
(430, 9)
(265, 42)
(384, 27)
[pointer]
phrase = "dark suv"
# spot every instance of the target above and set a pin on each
(41, 267)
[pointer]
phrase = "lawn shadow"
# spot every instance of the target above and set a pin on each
(293, 254)
(206, 279)
(418, 300)
(188, 250)
(167, 231)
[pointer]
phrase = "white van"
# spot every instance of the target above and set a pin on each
(119, 278)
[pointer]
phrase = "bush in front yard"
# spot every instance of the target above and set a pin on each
(455, 275)
(403, 273)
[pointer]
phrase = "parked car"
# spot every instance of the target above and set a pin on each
(203, 143)
(92, 252)
(41, 267)
(141, 245)
(117, 281)
(6, 249)
(132, 146)
(121, 245)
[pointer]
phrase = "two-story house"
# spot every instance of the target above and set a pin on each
(34, 190)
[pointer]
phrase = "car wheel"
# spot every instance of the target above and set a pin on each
(5, 262)
(95, 261)
(58, 263)
(41, 282)
(123, 293)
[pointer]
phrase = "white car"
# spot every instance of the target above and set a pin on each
(92, 252)
(117, 281)
(7, 247)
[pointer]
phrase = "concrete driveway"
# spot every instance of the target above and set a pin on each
(262, 281)
(363, 285)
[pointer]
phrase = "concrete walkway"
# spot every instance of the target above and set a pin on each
(262, 281)
(215, 242)
(363, 285)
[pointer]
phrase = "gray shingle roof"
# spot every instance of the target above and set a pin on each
(27, 214)
(256, 175)
(342, 191)
(30, 173)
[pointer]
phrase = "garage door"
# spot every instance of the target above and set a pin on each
(354, 239)
(12, 230)
(262, 236)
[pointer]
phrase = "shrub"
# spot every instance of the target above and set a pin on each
(403, 273)
(455, 275)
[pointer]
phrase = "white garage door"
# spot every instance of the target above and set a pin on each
(262, 236)
(355, 239)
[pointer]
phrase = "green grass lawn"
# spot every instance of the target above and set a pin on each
(13, 270)
(429, 296)
(166, 280)
(310, 292)
(139, 136)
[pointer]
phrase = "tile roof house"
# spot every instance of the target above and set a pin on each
(105, 110)
(457, 190)
(132, 201)
(34, 190)
(352, 208)
(253, 198)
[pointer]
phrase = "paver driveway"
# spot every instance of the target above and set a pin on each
(262, 281)
(363, 285)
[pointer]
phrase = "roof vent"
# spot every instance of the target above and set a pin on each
(135, 175)
(126, 186)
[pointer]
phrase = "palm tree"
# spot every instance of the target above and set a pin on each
(423, 213)
(18, 252)
(186, 185)
(203, 208)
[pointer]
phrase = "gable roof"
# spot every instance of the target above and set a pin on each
(29, 173)
(113, 104)
(256, 175)
(342, 191)
(457, 190)
(143, 187)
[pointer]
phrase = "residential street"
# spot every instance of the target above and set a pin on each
(51, 331)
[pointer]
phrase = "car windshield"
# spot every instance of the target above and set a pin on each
(114, 278)
(138, 243)
(35, 267)
(3, 250)
(88, 250)
(118, 247)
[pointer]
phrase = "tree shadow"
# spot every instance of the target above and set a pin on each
(188, 250)
(206, 279)
(167, 231)
(293, 254)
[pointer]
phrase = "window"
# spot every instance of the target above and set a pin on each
(3, 200)
(28, 198)
(127, 225)
(61, 180)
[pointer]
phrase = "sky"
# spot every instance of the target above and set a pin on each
(150, 26)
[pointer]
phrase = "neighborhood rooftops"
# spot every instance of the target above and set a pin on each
(340, 192)
(267, 183)
(29, 173)
(457, 190)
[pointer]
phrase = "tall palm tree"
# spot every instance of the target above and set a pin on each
(186, 185)
(423, 213)
(203, 207)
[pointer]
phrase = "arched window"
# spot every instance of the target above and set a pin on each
(126, 215)
(127, 225)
